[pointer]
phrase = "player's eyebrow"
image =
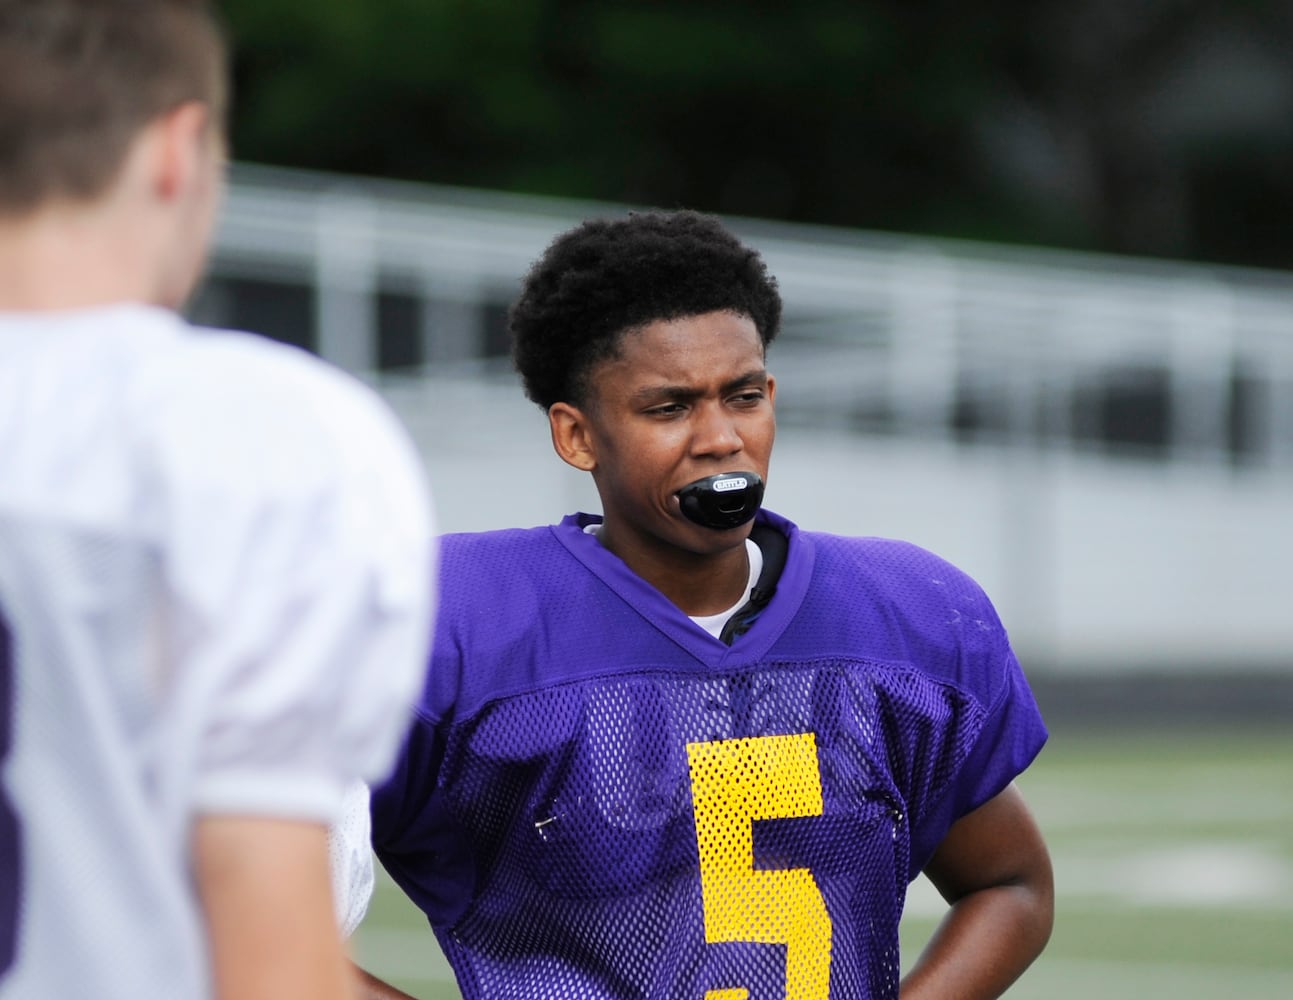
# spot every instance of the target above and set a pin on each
(754, 377)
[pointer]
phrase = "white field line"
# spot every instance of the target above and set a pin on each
(1062, 808)
(1220, 875)
(1082, 979)
(414, 956)
(1224, 876)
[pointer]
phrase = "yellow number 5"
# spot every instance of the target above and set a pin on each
(734, 783)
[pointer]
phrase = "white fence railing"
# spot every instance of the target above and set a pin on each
(1106, 444)
(886, 334)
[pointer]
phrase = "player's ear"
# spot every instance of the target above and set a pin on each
(572, 436)
(181, 148)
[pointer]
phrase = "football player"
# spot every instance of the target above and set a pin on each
(684, 748)
(214, 551)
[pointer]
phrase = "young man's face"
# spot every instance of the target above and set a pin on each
(682, 400)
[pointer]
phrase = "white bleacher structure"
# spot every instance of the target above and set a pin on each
(1105, 443)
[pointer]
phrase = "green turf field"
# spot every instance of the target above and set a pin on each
(1174, 874)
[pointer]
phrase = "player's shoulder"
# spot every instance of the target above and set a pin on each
(235, 422)
(203, 366)
(905, 606)
(507, 559)
(890, 559)
(514, 571)
(248, 399)
(919, 586)
(502, 543)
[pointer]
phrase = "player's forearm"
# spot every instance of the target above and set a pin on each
(984, 944)
(369, 987)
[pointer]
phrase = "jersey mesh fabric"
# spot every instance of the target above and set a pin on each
(635, 810)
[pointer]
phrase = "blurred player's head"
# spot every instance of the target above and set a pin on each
(609, 276)
(97, 95)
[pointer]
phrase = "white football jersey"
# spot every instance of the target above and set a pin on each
(350, 855)
(216, 574)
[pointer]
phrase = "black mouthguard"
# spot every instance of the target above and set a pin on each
(724, 501)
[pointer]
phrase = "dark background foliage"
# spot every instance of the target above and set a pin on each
(1153, 127)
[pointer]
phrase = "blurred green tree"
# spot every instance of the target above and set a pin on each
(1141, 127)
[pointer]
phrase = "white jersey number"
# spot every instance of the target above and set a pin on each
(9, 857)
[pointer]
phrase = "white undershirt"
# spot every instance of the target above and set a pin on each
(713, 624)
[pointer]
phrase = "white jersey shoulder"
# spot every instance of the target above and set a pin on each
(215, 575)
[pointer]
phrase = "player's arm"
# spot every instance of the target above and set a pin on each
(369, 987)
(995, 871)
(266, 892)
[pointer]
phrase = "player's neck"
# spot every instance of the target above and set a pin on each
(697, 583)
(70, 256)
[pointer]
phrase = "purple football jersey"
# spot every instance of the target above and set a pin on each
(599, 799)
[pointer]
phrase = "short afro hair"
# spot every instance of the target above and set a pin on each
(606, 277)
